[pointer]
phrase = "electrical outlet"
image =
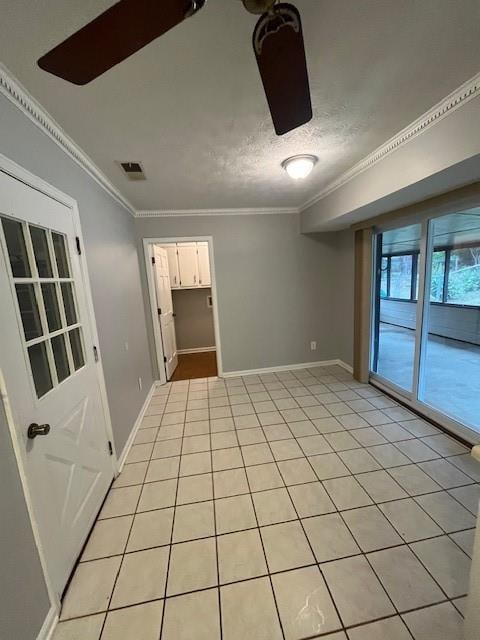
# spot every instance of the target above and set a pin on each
(140, 383)
(313, 345)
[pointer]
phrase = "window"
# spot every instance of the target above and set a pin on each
(455, 276)
(463, 282)
(384, 281)
(45, 291)
(438, 276)
(401, 277)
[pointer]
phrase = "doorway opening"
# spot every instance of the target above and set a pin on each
(183, 300)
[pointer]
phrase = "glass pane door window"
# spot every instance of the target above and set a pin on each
(426, 329)
(45, 293)
(397, 253)
(450, 367)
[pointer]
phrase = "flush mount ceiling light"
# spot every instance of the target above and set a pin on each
(299, 167)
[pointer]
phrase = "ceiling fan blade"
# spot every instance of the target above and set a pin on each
(280, 53)
(114, 35)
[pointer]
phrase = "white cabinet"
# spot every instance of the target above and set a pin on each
(187, 264)
(173, 265)
(204, 277)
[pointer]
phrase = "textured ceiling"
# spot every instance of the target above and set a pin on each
(191, 107)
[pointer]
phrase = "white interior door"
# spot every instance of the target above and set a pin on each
(188, 264)
(205, 279)
(165, 310)
(50, 372)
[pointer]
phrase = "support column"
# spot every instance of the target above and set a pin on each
(362, 304)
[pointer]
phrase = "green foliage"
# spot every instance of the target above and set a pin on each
(464, 285)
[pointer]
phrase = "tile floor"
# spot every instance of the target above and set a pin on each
(293, 505)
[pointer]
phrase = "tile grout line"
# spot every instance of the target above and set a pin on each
(301, 524)
(403, 543)
(170, 546)
(258, 529)
(123, 555)
(350, 473)
(353, 537)
(350, 532)
(364, 554)
(217, 557)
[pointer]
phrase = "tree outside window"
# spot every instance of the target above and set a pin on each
(464, 276)
(401, 277)
(438, 276)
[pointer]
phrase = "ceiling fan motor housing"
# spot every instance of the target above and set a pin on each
(258, 6)
(195, 5)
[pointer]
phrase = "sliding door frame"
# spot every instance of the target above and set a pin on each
(423, 310)
(411, 398)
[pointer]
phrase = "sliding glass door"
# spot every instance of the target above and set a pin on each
(450, 380)
(397, 253)
(426, 310)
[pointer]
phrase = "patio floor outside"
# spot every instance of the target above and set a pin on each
(452, 371)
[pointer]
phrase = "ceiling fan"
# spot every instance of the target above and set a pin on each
(129, 25)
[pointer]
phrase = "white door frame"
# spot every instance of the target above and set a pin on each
(17, 172)
(147, 243)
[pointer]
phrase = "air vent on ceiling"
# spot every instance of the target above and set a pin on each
(133, 170)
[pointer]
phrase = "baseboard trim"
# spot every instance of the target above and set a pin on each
(49, 625)
(346, 366)
(197, 350)
(136, 426)
(288, 367)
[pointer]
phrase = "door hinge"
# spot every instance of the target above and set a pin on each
(153, 259)
(79, 248)
(110, 447)
(164, 359)
(95, 353)
(159, 312)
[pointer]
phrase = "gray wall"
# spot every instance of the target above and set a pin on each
(275, 286)
(108, 231)
(193, 318)
(24, 598)
(343, 295)
(112, 259)
(450, 322)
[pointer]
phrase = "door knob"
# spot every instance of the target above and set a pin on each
(35, 430)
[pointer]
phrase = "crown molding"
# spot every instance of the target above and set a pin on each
(21, 98)
(187, 213)
(463, 94)
(12, 89)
